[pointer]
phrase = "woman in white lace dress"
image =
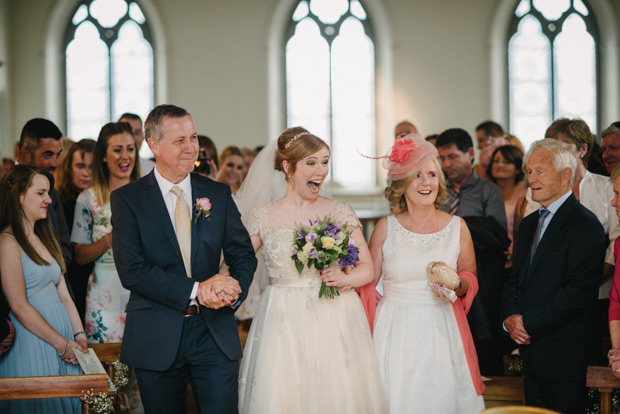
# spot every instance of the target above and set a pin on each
(305, 354)
(424, 347)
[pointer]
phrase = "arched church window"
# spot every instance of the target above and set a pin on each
(330, 83)
(109, 65)
(552, 65)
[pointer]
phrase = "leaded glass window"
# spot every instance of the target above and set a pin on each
(552, 66)
(330, 83)
(109, 65)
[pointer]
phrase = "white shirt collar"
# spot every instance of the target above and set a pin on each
(165, 186)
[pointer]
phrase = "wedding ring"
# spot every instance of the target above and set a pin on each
(611, 355)
(617, 370)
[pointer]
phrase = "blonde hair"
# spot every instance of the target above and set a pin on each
(295, 144)
(395, 191)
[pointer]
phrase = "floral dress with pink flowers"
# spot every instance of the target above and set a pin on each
(106, 298)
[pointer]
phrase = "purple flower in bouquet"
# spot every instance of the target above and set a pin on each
(350, 258)
(311, 237)
(332, 229)
(300, 235)
(313, 254)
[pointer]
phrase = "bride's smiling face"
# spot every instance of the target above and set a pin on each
(310, 173)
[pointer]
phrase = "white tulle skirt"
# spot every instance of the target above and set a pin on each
(309, 355)
(421, 355)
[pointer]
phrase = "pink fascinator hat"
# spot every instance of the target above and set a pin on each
(407, 155)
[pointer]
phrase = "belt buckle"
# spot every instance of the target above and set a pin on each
(192, 311)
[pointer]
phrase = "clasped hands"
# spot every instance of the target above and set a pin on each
(614, 361)
(218, 291)
(516, 330)
(336, 276)
(80, 343)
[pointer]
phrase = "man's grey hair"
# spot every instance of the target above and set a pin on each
(563, 157)
(611, 130)
(153, 126)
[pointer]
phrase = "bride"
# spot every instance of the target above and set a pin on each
(304, 354)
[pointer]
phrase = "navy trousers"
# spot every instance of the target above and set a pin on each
(213, 376)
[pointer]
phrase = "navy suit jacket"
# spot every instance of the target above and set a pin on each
(557, 293)
(149, 264)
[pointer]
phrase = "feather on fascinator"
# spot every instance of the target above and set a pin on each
(407, 155)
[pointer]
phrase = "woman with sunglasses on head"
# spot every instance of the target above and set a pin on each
(232, 164)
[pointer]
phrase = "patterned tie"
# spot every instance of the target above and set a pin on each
(543, 215)
(454, 205)
(183, 223)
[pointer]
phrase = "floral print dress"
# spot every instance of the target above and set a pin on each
(106, 298)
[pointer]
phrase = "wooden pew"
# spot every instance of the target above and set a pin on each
(52, 387)
(107, 354)
(605, 381)
(502, 391)
(66, 385)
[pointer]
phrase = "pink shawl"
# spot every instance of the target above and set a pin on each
(368, 295)
(461, 307)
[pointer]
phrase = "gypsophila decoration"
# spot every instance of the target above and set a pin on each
(121, 374)
(98, 403)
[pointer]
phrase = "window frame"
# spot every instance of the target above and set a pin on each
(592, 27)
(69, 35)
(367, 24)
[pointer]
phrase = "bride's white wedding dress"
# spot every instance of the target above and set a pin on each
(305, 354)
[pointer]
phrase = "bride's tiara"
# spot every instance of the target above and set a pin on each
(294, 138)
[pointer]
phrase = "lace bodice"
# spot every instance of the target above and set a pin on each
(277, 239)
(406, 254)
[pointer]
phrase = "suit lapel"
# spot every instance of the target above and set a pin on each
(198, 191)
(558, 220)
(156, 201)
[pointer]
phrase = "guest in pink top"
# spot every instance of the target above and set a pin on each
(614, 294)
(506, 170)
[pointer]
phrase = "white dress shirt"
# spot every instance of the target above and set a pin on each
(171, 201)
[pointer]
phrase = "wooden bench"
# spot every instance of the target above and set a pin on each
(52, 387)
(502, 391)
(605, 381)
(65, 385)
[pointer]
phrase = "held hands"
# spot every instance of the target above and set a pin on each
(516, 330)
(614, 361)
(336, 276)
(218, 291)
(70, 348)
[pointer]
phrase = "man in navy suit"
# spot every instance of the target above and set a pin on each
(180, 317)
(550, 299)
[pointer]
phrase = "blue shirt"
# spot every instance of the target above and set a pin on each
(553, 208)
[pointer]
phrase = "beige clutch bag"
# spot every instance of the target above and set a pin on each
(439, 272)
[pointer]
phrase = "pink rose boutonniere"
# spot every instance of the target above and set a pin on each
(203, 208)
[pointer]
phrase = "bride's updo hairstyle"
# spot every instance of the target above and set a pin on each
(295, 144)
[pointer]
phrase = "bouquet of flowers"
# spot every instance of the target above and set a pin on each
(319, 245)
